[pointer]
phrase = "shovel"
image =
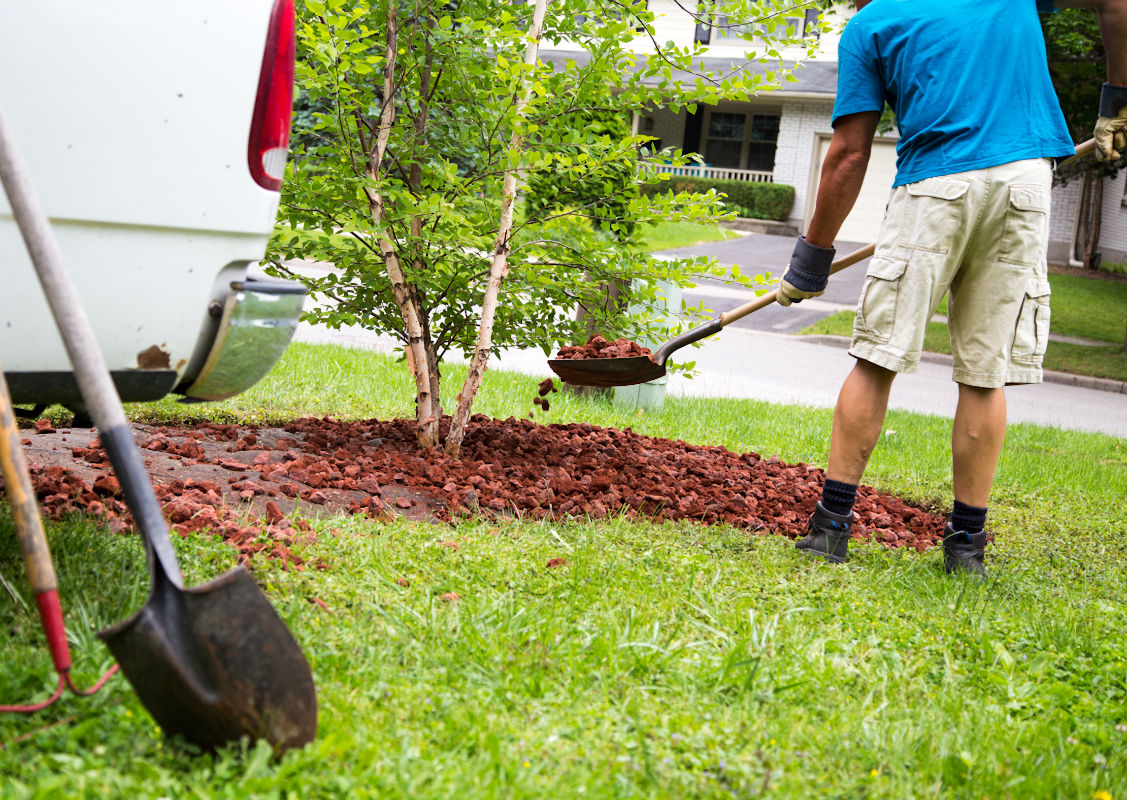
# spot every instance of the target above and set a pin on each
(211, 663)
(639, 369)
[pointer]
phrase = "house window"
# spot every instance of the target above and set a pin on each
(761, 144)
(733, 142)
(809, 27)
(616, 15)
(725, 139)
(726, 29)
(703, 33)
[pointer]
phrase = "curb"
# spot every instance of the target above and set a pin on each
(763, 226)
(1048, 376)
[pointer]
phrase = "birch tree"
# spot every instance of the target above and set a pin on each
(421, 121)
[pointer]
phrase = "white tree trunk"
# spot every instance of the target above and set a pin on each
(500, 265)
(425, 415)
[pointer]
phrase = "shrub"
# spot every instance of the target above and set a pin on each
(606, 188)
(756, 200)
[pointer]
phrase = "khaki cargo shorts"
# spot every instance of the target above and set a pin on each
(980, 236)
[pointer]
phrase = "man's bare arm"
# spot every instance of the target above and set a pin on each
(843, 172)
(1113, 30)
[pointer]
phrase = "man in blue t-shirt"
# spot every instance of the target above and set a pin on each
(979, 124)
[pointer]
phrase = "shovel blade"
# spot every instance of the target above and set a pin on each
(214, 663)
(606, 371)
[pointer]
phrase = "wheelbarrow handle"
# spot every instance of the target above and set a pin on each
(93, 377)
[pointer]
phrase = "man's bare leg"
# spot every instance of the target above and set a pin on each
(976, 442)
(858, 419)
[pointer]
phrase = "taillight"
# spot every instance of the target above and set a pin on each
(270, 126)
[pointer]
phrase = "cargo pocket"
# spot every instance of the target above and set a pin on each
(1023, 235)
(933, 214)
(1031, 336)
(880, 298)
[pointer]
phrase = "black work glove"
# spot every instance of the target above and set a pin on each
(807, 273)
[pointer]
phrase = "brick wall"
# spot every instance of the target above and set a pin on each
(1062, 220)
(801, 121)
(1113, 234)
(1113, 230)
(668, 127)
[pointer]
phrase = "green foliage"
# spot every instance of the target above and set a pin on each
(668, 235)
(458, 68)
(747, 198)
(659, 661)
(1078, 68)
(550, 191)
(1077, 65)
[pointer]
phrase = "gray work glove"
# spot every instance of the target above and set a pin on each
(1111, 128)
(807, 273)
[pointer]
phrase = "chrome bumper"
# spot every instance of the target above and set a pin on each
(258, 321)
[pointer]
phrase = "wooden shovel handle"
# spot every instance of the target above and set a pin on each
(29, 532)
(728, 317)
(21, 496)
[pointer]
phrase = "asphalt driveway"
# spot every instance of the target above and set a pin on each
(759, 253)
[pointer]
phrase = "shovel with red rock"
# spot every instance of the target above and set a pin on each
(622, 363)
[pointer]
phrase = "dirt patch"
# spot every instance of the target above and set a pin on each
(1084, 272)
(258, 487)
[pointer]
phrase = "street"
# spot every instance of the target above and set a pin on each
(755, 358)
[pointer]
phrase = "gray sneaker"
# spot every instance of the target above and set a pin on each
(963, 552)
(827, 535)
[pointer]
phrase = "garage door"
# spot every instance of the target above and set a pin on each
(863, 222)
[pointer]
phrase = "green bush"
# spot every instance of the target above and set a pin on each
(755, 200)
(606, 188)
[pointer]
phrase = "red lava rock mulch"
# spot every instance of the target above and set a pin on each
(598, 347)
(257, 487)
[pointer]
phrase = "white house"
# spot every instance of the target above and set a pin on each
(782, 135)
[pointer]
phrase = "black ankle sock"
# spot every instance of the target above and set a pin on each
(838, 497)
(968, 518)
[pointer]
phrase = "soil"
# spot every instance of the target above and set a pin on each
(598, 347)
(1083, 272)
(258, 487)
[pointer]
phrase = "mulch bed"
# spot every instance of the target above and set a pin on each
(258, 487)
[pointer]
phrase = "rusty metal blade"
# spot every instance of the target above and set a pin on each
(606, 371)
(214, 663)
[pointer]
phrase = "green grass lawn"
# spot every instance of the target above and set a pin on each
(682, 234)
(659, 661)
(1089, 308)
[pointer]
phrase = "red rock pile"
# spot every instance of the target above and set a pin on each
(242, 482)
(598, 347)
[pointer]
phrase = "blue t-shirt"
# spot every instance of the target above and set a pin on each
(968, 80)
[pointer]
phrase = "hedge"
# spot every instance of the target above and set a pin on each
(755, 200)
